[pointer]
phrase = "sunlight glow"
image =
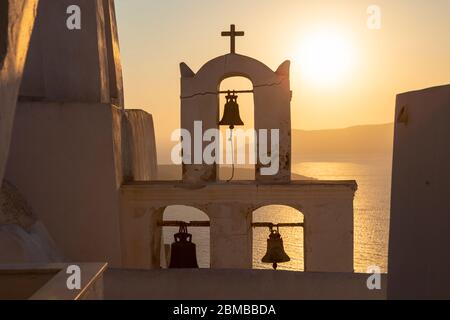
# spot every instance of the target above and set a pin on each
(326, 57)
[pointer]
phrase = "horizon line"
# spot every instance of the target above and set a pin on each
(349, 127)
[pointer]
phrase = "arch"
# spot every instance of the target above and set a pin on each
(4, 23)
(200, 236)
(212, 73)
(293, 238)
(199, 103)
(237, 66)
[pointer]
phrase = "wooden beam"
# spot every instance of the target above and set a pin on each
(175, 223)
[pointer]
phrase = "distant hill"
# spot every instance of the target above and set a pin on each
(367, 139)
(322, 145)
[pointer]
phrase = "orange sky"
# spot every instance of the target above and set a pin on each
(410, 51)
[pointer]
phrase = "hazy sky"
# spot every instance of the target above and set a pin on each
(362, 69)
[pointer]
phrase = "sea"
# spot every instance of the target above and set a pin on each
(371, 213)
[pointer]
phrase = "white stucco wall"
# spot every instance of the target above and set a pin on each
(419, 259)
(17, 27)
(65, 158)
(72, 142)
(74, 65)
(141, 146)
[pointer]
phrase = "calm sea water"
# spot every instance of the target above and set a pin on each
(372, 202)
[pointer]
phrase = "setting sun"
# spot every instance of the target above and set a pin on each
(326, 57)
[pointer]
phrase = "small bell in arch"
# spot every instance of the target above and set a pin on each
(183, 251)
(275, 249)
(231, 116)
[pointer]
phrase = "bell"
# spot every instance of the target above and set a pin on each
(183, 253)
(275, 250)
(231, 116)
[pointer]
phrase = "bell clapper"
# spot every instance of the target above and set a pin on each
(232, 154)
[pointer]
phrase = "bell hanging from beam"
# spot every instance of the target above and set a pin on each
(231, 116)
(275, 250)
(183, 251)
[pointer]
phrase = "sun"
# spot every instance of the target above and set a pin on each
(326, 57)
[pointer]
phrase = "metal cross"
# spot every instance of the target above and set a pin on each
(233, 34)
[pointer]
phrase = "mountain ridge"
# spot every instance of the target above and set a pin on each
(361, 139)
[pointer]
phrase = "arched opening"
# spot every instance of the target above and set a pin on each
(293, 237)
(4, 21)
(243, 141)
(200, 235)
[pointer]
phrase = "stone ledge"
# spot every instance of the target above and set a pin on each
(49, 281)
(238, 284)
(347, 183)
(161, 193)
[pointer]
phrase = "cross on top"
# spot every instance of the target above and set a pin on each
(233, 34)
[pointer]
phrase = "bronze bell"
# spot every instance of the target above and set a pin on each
(183, 253)
(231, 116)
(275, 249)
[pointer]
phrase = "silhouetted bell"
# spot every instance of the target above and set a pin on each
(183, 253)
(231, 116)
(275, 250)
